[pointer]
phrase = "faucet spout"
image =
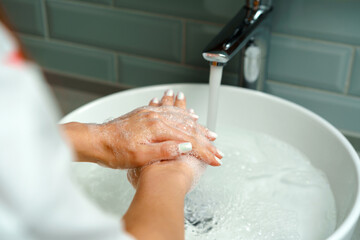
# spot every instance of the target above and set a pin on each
(248, 34)
(235, 34)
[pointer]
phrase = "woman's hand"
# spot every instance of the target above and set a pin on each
(161, 188)
(160, 131)
(184, 170)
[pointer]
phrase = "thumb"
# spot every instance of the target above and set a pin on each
(162, 151)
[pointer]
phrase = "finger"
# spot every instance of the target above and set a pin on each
(207, 133)
(180, 100)
(205, 156)
(168, 150)
(214, 150)
(168, 98)
(165, 132)
(189, 125)
(154, 102)
(203, 149)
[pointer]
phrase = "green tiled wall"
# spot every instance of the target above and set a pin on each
(314, 53)
(26, 15)
(91, 63)
(310, 63)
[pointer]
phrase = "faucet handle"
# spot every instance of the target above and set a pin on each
(253, 4)
(256, 4)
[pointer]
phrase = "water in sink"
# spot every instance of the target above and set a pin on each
(266, 189)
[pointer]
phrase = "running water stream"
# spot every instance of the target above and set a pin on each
(215, 81)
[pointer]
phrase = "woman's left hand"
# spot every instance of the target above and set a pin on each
(143, 136)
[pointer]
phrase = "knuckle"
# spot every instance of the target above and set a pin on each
(168, 150)
(152, 115)
(156, 123)
(164, 151)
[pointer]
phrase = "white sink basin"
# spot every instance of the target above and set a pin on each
(324, 145)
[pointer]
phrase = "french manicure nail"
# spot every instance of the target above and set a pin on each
(185, 147)
(169, 93)
(220, 153)
(219, 161)
(212, 134)
(180, 96)
(195, 116)
(191, 110)
(155, 100)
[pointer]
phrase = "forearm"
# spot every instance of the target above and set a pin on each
(87, 147)
(157, 210)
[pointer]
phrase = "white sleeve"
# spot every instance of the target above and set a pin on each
(38, 200)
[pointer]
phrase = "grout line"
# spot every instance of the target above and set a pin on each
(311, 39)
(183, 45)
(141, 12)
(45, 19)
(348, 80)
(163, 15)
(73, 44)
(312, 89)
(82, 77)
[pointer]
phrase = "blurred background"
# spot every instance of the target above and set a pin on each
(91, 48)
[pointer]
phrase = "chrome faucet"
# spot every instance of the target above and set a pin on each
(248, 33)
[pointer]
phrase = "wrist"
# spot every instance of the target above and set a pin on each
(87, 145)
(166, 175)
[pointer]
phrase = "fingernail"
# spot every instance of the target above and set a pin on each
(180, 96)
(195, 116)
(191, 110)
(185, 147)
(219, 161)
(155, 100)
(212, 134)
(220, 153)
(169, 93)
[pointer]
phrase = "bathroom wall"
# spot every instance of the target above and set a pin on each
(314, 55)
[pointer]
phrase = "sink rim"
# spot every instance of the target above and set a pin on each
(348, 223)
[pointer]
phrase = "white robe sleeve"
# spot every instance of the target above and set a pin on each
(38, 200)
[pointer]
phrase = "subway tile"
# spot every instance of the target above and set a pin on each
(309, 63)
(198, 35)
(340, 110)
(26, 16)
(104, 2)
(117, 30)
(136, 71)
(330, 20)
(76, 60)
(207, 10)
(354, 87)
